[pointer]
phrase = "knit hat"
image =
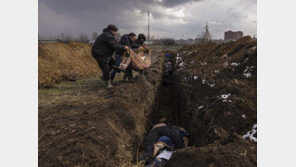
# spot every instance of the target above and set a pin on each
(142, 36)
(132, 34)
(112, 27)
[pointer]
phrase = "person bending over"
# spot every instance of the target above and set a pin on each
(126, 40)
(103, 49)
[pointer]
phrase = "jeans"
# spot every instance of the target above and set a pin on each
(118, 59)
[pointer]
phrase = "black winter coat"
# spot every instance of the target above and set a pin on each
(105, 45)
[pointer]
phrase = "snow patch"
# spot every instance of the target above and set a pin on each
(203, 64)
(225, 64)
(225, 97)
(211, 85)
(195, 77)
(250, 134)
(203, 81)
(247, 71)
(181, 64)
(234, 64)
(200, 107)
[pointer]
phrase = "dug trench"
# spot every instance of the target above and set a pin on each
(91, 126)
(83, 124)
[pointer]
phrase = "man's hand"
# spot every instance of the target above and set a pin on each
(140, 47)
(126, 47)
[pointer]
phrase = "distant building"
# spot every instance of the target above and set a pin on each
(199, 40)
(202, 40)
(232, 36)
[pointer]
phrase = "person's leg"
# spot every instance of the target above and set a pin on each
(129, 73)
(114, 71)
(105, 67)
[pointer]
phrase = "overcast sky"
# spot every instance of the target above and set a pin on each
(168, 18)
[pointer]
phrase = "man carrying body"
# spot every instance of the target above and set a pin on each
(103, 49)
(126, 40)
(139, 42)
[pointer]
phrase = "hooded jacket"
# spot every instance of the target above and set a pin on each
(125, 41)
(105, 45)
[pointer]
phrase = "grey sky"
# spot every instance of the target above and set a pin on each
(169, 18)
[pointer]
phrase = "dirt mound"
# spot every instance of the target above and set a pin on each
(232, 154)
(98, 127)
(59, 62)
(217, 93)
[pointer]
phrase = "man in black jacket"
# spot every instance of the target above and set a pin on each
(103, 49)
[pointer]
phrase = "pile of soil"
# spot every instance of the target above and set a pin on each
(216, 92)
(59, 62)
(236, 153)
(100, 127)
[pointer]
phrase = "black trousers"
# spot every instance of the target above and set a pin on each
(105, 65)
(128, 73)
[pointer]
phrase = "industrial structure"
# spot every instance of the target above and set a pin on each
(206, 36)
(232, 36)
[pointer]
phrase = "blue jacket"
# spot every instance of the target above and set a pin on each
(125, 40)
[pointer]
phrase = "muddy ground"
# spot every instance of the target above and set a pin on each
(216, 86)
(83, 124)
(213, 96)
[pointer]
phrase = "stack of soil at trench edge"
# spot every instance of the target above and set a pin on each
(217, 98)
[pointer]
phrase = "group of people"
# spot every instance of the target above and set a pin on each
(161, 142)
(111, 55)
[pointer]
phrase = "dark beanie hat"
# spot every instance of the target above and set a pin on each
(142, 36)
(132, 34)
(112, 27)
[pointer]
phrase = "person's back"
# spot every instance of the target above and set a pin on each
(103, 49)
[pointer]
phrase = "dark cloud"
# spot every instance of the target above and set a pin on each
(168, 17)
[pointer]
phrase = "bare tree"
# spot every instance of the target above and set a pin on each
(68, 38)
(95, 35)
(83, 38)
(168, 42)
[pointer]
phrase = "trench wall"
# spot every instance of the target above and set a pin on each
(103, 128)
